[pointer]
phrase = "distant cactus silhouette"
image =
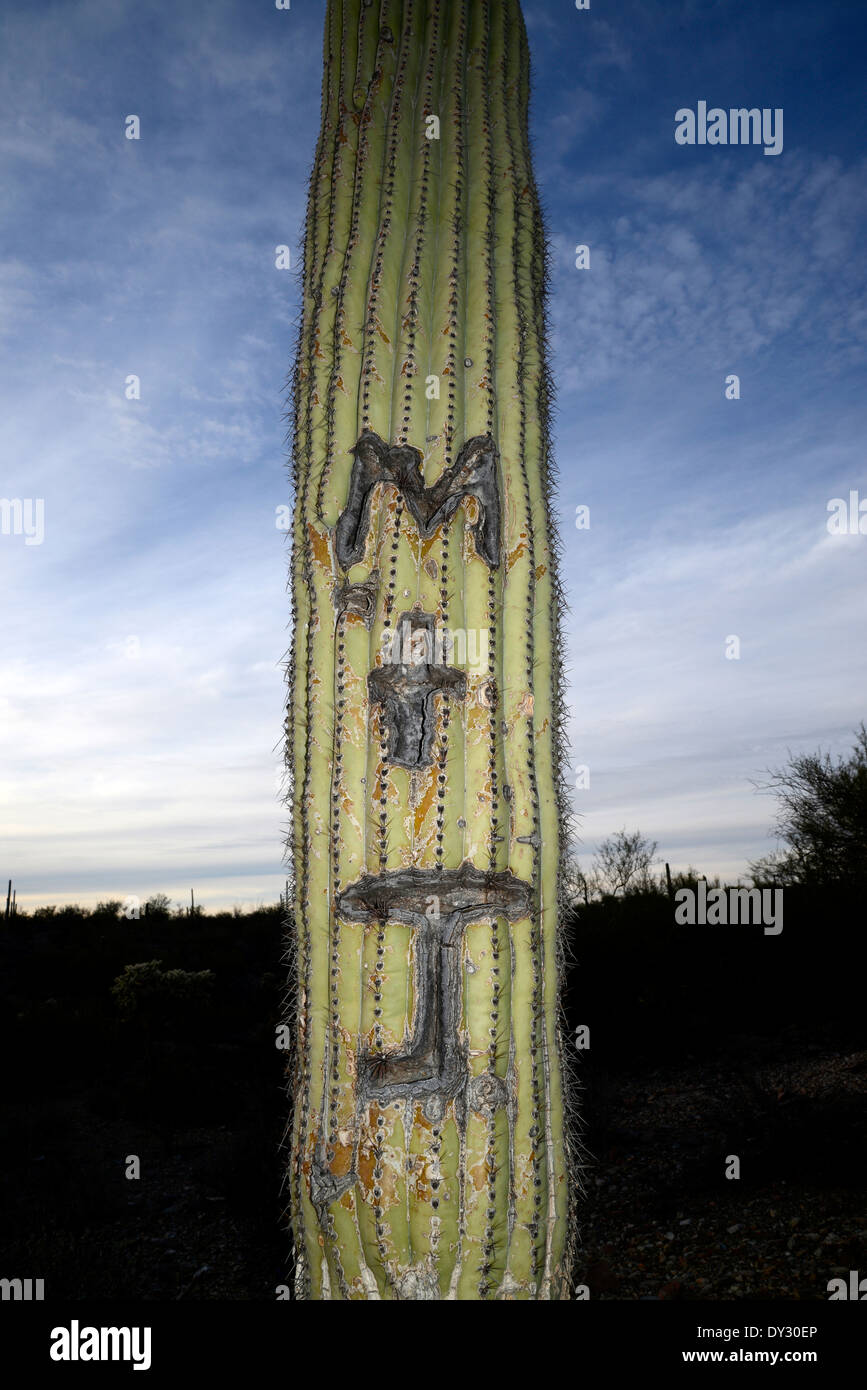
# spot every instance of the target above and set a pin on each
(429, 1151)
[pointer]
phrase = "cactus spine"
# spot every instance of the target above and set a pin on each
(429, 1153)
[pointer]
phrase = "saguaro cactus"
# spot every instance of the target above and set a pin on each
(429, 1153)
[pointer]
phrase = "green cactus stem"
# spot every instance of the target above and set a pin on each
(429, 1146)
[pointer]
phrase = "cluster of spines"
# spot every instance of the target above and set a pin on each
(537, 1019)
(296, 721)
(555, 610)
(488, 1255)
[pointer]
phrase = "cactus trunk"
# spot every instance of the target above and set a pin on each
(429, 1154)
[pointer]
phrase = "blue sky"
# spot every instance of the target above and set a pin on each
(141, 682)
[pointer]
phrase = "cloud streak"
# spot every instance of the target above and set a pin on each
(141, 690)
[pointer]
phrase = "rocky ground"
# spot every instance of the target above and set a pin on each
(659, 1218)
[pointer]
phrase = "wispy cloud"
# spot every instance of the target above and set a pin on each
(141, 689)
(703, 268)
